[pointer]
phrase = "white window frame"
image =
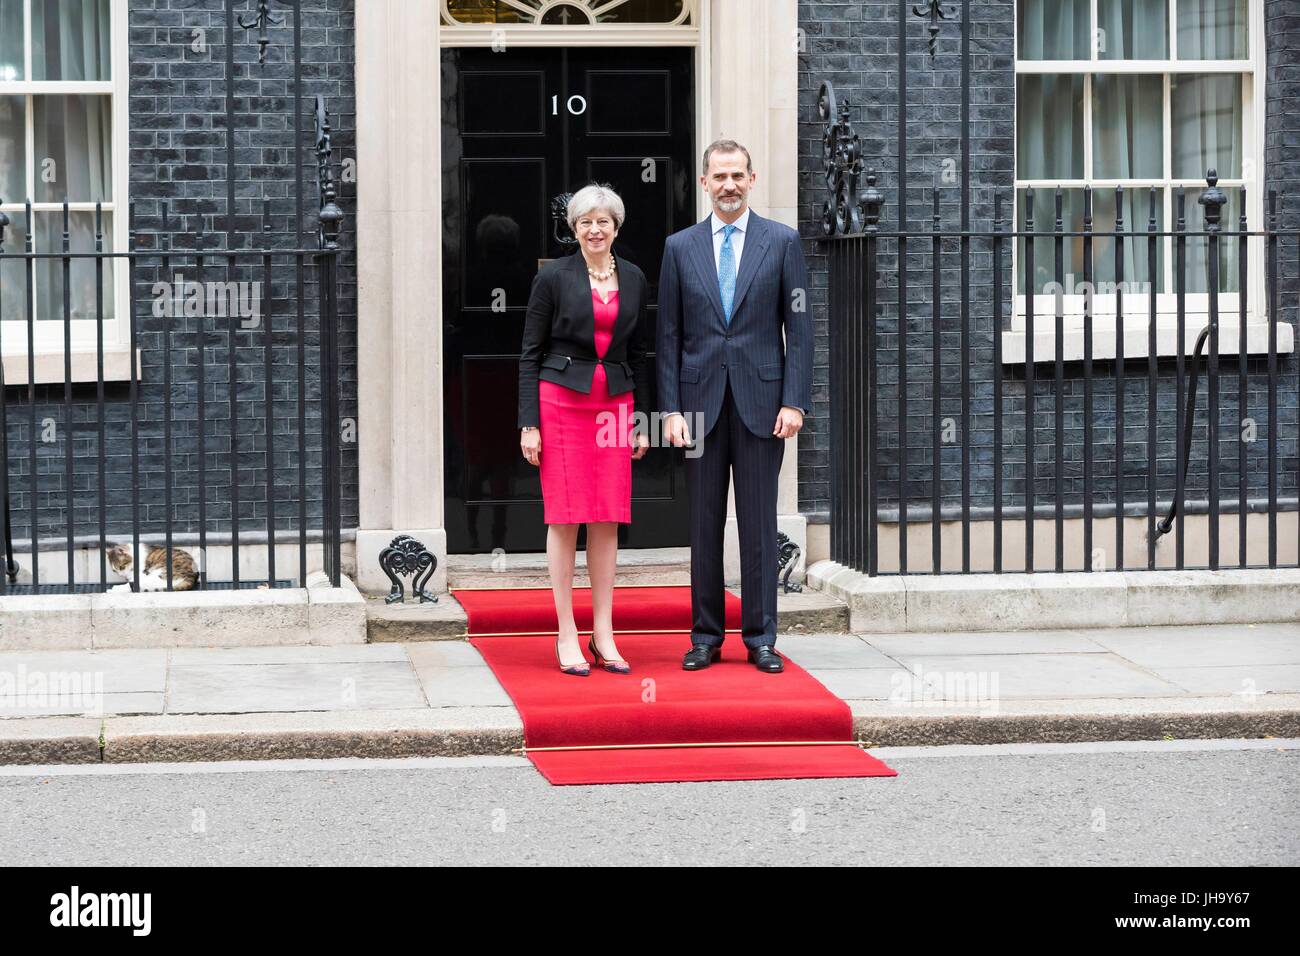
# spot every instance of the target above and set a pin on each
(48, 334)
(1136, 304)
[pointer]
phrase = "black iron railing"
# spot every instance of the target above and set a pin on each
(866, 377)
(945, 448)
(255, 332)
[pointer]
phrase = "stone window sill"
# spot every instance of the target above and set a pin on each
(1015, 339)
(50, 366)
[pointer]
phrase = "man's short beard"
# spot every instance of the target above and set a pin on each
(730, 205)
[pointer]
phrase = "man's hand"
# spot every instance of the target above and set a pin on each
(642, 446)
(675, 431)
(788, 422)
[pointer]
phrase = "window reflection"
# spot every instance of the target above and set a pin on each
(82, 289)
(70, 40)
(73, 148)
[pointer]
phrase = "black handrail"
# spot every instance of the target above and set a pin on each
(1164, 526)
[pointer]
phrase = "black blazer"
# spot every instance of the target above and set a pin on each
(560, 335)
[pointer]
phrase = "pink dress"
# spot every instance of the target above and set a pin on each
(586, 459)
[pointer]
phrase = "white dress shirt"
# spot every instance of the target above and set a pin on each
(737, 238)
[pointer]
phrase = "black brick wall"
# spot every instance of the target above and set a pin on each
(178, 156)
(1282, 136)
(855, 45)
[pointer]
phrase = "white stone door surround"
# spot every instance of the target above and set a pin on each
(747, 90)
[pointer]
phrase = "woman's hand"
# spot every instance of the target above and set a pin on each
(530, 443)
(642, 446)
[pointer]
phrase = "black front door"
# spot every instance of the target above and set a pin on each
(519, 128)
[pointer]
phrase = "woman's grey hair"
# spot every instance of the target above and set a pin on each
(593, 197)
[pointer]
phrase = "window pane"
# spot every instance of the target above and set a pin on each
(1054, 29)
(1198, 249)
(1137, 214)
(70, 40)
(484, 11)
(572, 12)
(1128, 127)
(11, 40)
(1049, 113)
(1212, 30)
(1207, 126)
(644, 11)
(73, 149)
(563, 14)
(1045, 247)
(1132, 30)
(13, 149)
(49, 272)
(13, 287)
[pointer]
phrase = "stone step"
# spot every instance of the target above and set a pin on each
(808, 612)
(643, 566)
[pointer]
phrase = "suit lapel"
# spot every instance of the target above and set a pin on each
(702, 256)
(751, 258)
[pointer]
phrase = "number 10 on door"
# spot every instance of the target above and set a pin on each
(576, 105)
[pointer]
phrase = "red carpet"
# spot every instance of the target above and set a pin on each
(658, 703)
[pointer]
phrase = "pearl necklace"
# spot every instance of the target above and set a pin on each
(602, 276)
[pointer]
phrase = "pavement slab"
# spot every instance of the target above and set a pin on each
(243, 688)
(439, 698)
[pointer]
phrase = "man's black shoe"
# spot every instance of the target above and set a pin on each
(700, 656)
(766, 659)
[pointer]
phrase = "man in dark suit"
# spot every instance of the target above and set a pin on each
(729, 286)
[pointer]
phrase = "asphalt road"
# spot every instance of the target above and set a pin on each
(1177, 803)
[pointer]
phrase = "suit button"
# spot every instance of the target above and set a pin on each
(724, 364)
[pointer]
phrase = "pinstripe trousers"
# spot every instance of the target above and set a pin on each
(731, 450)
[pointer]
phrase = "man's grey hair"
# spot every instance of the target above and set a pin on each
(725, 146)
(593, 197)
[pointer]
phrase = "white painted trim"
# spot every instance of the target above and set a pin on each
(703, 97)
(1173, 29)
(27, 38)
(537, 9)
(1253, 157)
(68, 87)
(1087, 126)
(48, 334)
(49, 364)
(599, 35)
(1134, 66)
(1136, 338)
(1126, 183)
(121, 120)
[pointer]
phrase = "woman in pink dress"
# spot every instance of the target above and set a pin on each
(582, 381)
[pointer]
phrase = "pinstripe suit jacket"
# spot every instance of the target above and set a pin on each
(697, 351)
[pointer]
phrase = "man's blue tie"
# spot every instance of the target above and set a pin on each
(727, 272)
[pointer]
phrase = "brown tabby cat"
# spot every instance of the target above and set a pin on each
(153, 574)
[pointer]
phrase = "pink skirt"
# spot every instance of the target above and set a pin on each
(586, 459)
